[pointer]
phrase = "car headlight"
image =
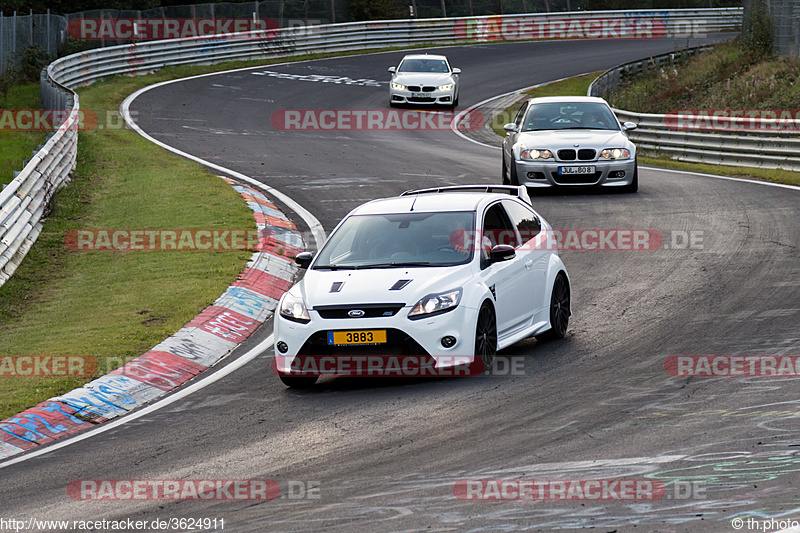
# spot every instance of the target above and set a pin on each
(446, 87)
(398, 87)
(536, 154)
(615, 153)
(435, 304)
(294, 308)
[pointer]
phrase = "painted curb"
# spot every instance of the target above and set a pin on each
(205, 340)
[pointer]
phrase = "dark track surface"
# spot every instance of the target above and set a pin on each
(598, 404)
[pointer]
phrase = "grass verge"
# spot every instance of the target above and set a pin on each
(15, 145)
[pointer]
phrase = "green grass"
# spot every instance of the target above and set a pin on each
(578, 86)
(17, 146)
(116, 305)
(727, 77)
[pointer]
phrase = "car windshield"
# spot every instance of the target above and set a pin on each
(569, 116)
(438, 66)
(399, 240)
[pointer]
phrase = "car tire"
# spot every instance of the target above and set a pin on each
(486, 335)
(392, 104)
(455, 102)
(299, 382)
(559, 310)
(505, 171)
(513, 180)
(634, 186)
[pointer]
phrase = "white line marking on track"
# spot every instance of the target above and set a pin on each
(208, 380)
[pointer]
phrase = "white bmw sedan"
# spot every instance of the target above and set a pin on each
(424, 79)
(449, 275)
(569, 141)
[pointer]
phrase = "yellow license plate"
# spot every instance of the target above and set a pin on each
(372, 336)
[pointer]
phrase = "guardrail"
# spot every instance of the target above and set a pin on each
(23, 200)
(670, 135)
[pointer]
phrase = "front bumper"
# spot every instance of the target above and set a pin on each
(421, 339)
(545, 174)
(437, 97)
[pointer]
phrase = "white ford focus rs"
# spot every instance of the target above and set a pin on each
(449, 275)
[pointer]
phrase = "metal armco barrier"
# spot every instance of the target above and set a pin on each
(664, 134)
(23, 200)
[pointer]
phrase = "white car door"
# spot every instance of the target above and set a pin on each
(534, 252)
(506, 279)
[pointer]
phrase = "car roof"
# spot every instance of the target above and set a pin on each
(424, 56)
(575, 99)
(430, 203)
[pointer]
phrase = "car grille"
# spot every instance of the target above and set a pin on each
(417, 99)
(370, 310)
(572, 179)
(584, 154)
(397, 343)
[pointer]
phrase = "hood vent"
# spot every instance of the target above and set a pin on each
(399, 284)
(337, 286)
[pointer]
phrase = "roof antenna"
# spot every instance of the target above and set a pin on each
(424, 182)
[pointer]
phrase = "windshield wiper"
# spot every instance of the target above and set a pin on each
(582, 128)
(396, 265)
(334, 267)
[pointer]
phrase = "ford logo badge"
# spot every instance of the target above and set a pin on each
(356, 313)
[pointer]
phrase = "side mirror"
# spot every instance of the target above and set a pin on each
(510, 127)
(501, 252)
(456, 71)
(628, 126)
(392, 69)
(303, 259)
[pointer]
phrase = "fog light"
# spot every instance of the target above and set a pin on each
(448, 341)
(619, 174)
(282, 347)
(535, 176)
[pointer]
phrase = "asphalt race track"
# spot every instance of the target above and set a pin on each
(385, 455)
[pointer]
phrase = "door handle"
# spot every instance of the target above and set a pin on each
(528, 264)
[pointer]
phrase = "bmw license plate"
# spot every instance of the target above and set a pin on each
(344, 338)
(420, 95)
(586, 169)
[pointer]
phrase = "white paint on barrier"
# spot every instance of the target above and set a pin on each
(7, 450)
(196, 345)
(126, 392)
(194, 387)
(246, 302)
(266, 210)
(274, 266)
